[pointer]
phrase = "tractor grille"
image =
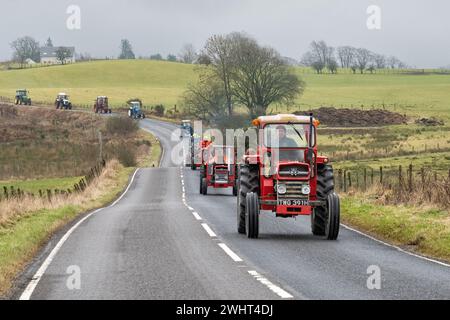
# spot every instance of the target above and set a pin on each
(294, 171)
(221, 175)
(293, 190)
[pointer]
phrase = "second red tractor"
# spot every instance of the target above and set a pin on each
(219, 168)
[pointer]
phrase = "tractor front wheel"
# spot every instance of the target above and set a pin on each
(204, 187)
(325, 186)
(333, 219)
(248, 181)
(252, 215)
(16, 101)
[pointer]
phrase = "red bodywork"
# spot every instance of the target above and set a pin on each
(219, 166)
(197, 149)
(269, 197)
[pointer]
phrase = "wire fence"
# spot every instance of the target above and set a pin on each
(402, 185)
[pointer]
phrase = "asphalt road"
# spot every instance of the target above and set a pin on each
(163, 240)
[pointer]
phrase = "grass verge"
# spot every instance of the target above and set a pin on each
(421, 230)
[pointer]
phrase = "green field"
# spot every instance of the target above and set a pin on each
(35, 185)
(163, 82)
(153, 81)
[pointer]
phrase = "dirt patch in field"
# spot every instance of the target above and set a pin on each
(346, 117)
(430, 122)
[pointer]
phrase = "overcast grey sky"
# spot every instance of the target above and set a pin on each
(417, 31)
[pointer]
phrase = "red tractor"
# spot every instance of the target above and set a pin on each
(285, 175)
(219, 168)
(101, 105)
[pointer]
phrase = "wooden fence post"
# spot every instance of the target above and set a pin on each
(349, 180)
(365, 179)
(381, 175)
(345, 180)
(410, 178)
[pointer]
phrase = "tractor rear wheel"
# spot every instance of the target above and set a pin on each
(248, 181)
(204, 186)
(325, 187)
(252, 215)
(333, 219)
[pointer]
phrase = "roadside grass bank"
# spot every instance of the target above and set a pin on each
(26, 224)
(424, 229)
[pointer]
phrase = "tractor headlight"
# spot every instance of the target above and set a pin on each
(306, 189)
(281, 189)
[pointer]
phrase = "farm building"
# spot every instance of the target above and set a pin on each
(49, 55)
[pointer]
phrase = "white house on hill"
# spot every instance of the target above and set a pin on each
(48, 55)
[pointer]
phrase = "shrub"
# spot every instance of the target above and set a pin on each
(121, 125)
(127, 156)
(159, 110)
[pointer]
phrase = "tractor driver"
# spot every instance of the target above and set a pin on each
(285, 142)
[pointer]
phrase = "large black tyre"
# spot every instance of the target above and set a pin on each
(16, 101)
(29, 102)
(325, 186)
(333, 219)
(204, 186)
(235, 189)
(252, 215)
(248, 181)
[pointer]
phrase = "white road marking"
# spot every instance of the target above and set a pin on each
(190, 208)
(229, 252)
(196, 215)
(208, 230)
(26, 294)
(396, 247)
(280, 292)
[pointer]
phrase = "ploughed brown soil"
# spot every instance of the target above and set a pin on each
(345, 117)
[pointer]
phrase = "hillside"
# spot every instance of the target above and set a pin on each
(164, 82)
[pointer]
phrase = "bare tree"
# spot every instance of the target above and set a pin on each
(393, 62)
(62, 53)
(260, 76)
(362, 58)
(332, 65)
(25, 48)
(218, 55)
(206, 99)
(188, 54)
(319, 56)
(380, 61)
(126, 50)
(346, 56)
(310, 60)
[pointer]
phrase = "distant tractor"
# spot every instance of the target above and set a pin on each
(101, 105)
(62, 101)
(219, 169)
(22, 97)
(135, 110)
(285, 175)
(186, 128)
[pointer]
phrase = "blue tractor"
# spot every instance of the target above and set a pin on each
(135, 110)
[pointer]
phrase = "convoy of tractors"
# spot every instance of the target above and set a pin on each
(284, 174)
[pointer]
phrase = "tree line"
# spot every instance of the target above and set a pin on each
(187, 54)
(323, 57)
